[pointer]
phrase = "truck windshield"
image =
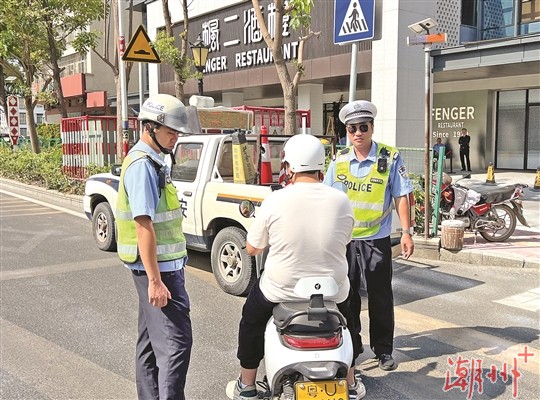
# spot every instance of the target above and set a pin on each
(187, 157)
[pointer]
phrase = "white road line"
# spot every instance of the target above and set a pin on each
(529, 300)
(65, 210)
(60, 268)
(486, 346)
(55, 372)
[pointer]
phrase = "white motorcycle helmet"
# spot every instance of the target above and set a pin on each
(304, 152)
(165, 110)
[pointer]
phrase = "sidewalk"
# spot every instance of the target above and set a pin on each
(521, 250)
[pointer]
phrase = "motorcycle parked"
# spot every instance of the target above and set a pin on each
(493, 213)
(308, 348)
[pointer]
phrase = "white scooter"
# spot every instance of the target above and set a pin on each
(308, 348)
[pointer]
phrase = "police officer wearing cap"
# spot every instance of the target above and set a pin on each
(374, 175)
(152, 245)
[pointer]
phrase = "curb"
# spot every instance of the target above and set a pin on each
(430, 249)
(40, 193)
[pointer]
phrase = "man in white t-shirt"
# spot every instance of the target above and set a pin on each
(307, 226)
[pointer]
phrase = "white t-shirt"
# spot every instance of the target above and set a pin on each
(308, 226)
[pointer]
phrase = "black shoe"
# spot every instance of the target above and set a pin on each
(463, 169)
(469, 170)
(386, 362)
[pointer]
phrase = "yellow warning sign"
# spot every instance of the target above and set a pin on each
(139, 48)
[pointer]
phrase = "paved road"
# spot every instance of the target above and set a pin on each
(68, 321)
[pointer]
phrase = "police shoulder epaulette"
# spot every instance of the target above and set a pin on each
(344, 151)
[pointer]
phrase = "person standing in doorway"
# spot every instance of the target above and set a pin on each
(374, 174)
(464, 144)
(152, 245)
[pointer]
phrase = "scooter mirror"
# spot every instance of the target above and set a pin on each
(247, 208)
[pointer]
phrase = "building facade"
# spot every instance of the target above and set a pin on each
(87, 80)
(485, 77)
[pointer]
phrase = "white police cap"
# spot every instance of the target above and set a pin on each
(358, 111)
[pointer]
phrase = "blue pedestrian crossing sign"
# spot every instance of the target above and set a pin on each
(354, 20)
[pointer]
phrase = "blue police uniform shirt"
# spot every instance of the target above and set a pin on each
(399, 183)
(142, 185)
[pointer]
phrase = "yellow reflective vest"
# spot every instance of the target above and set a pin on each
(367, 193)
(171, 242)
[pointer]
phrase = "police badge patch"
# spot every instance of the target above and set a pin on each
(403, 171)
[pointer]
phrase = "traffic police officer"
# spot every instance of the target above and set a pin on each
(152, 244)
(373, 174)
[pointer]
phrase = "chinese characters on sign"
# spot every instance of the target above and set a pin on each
(468, 375)
(251, 35)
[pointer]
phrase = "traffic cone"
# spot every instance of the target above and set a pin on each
(536, 187)
(266, 165)
(490, 177)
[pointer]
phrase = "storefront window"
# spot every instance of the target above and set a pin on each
(518, 124)
(511, 129)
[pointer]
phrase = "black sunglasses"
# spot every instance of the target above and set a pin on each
(362, 128)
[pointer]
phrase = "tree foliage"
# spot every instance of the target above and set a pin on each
(99, 42)
(32, 38)
(170, 53)
(299, 12)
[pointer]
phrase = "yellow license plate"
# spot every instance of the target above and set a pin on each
(322, 390)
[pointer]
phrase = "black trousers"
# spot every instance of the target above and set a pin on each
(255, 314)
(372, 259)
(464, 157)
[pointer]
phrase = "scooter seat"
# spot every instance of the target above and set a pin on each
(497, 195)
(294, 318)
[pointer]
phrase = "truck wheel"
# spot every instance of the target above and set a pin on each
(234, 269)
(103, 227)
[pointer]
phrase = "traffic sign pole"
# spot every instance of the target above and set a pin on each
(352, 80)
(12, 116)
(123, 89)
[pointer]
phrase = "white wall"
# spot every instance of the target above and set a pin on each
(397, 77)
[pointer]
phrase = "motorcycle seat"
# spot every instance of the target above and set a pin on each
(498, 195)
(301, 323)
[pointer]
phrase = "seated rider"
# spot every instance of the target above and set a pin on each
(298, 223)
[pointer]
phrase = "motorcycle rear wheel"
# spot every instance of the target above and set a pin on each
(506, 224)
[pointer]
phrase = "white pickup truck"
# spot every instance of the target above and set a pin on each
(203, 174)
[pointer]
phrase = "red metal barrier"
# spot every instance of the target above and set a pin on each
(90, 140)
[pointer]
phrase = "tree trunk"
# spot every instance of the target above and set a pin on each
(31, 123)
(178, 80)
(3, 94)
(56, 72)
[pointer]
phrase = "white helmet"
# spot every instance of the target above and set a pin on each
(166, 110)
(304, 152)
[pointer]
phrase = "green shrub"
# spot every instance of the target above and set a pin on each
(48, 131)
(43, 169)
(419, 197)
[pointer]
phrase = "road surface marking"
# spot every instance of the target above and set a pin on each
(529, 300)
(59, 268)
(466, 339)
(66, 210)
(55, 372)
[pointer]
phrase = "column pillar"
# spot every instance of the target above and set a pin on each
(397, 77)
(232, 99)
(310, 97)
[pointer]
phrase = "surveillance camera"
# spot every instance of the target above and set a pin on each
(424, 25)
